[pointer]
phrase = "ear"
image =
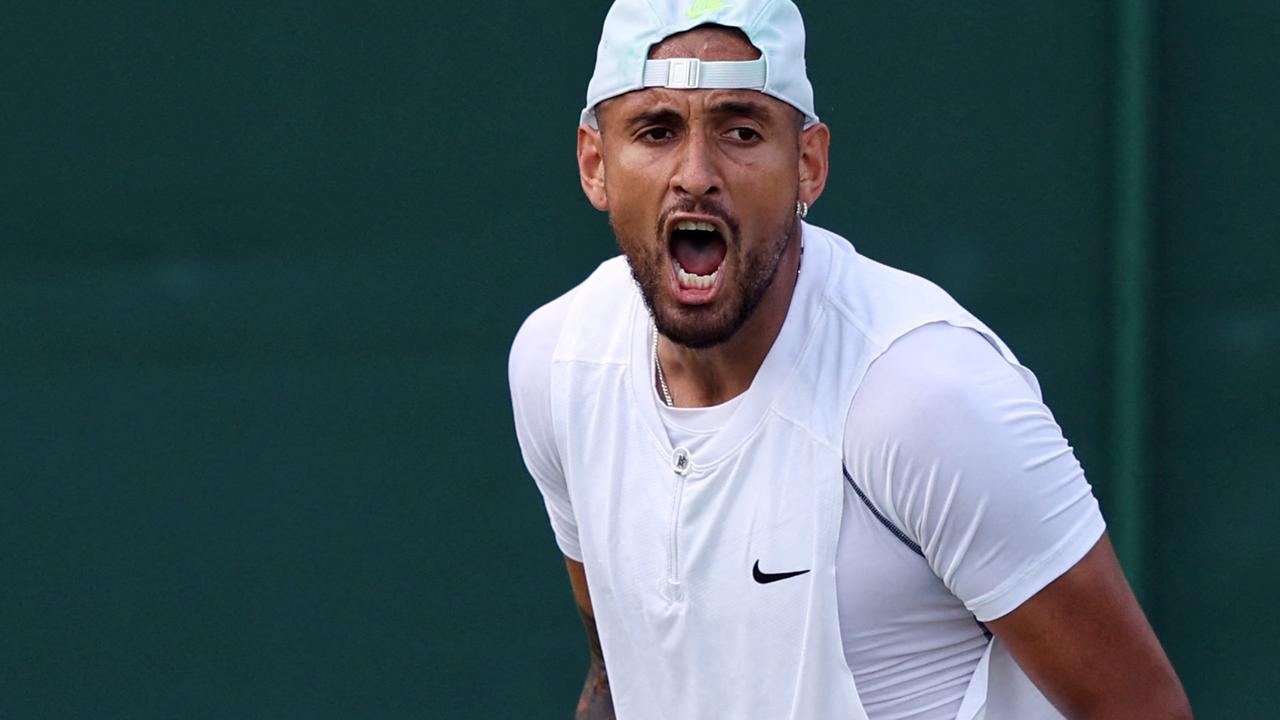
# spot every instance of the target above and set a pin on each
(815, 142)
(591, 166)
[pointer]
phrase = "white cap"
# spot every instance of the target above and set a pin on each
(633, 26)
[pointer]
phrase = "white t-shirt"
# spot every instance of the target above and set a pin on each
(949, 444)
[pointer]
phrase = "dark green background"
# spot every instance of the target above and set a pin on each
(260, 265)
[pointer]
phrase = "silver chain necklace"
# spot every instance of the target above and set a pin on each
(662, 381)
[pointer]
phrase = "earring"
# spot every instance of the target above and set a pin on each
(802, 210)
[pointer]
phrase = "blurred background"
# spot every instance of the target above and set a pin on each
(261, 263)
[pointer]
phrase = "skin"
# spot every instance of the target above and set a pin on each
(742, 159)
(595, 703)
(1085, 643)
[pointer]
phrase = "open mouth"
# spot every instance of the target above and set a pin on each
(698, 251)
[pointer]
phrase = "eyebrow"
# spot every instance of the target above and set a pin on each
(725, 108)
(742, 108)
(657, 116)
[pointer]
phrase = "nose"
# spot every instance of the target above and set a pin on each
(697, 174)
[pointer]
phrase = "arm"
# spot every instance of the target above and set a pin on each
(974, 468)
(1085, 643)
(529, 374)
(595, 703)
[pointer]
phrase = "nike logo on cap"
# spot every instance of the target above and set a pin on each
(702, 7)
(765, 578)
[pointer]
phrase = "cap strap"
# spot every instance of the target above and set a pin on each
(690, 73)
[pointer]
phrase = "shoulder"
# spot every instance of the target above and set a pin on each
(938, 364)
(940, 394)
(884, 303)
(535, 344)
(941, 400)
(535, 341)
(950, 441)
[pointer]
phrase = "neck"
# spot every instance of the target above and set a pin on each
(710, 376)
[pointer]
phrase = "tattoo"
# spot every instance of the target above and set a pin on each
(595, 703)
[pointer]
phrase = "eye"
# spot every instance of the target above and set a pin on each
(744, 134)
(656, 134)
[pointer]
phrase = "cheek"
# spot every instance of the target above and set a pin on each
(635, 198)
(767, 198)
(763, 175)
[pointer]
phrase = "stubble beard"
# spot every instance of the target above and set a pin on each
(704, 326)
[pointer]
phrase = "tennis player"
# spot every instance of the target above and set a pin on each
(788, 481)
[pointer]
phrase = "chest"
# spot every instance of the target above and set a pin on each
(666, 524)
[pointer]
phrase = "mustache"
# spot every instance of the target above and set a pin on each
(704, 207)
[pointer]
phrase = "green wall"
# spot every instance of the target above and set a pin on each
(260, 265)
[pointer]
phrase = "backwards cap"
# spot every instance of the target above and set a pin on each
(634, 26)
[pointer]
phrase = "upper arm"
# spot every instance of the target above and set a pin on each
(1084, 641)
(953, 445)
(529, 375)
(957, 450)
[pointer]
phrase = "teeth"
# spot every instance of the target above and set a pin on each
(695, 225)
(688, 279)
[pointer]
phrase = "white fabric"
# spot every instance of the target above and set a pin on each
(945, 435)
(941, 402)
(692, 73)
(953, 446)
(631, 27)
(669, 539)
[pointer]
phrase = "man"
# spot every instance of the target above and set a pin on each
(790, 482)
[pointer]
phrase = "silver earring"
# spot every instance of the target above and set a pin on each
(802, 210)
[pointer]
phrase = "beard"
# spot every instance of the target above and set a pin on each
(704, 326)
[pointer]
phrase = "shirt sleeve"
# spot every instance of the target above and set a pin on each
(529, 375)
(956, 449)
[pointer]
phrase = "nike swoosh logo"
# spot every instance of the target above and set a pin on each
(765, 578)
(702, 7)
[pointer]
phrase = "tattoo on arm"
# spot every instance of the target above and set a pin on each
(595, 703)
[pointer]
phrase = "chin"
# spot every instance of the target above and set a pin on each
(699, 327)
(697, 339)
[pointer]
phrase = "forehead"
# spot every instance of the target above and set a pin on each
(707, 42)
(683, 102)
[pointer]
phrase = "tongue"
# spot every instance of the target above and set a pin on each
(699, 253)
